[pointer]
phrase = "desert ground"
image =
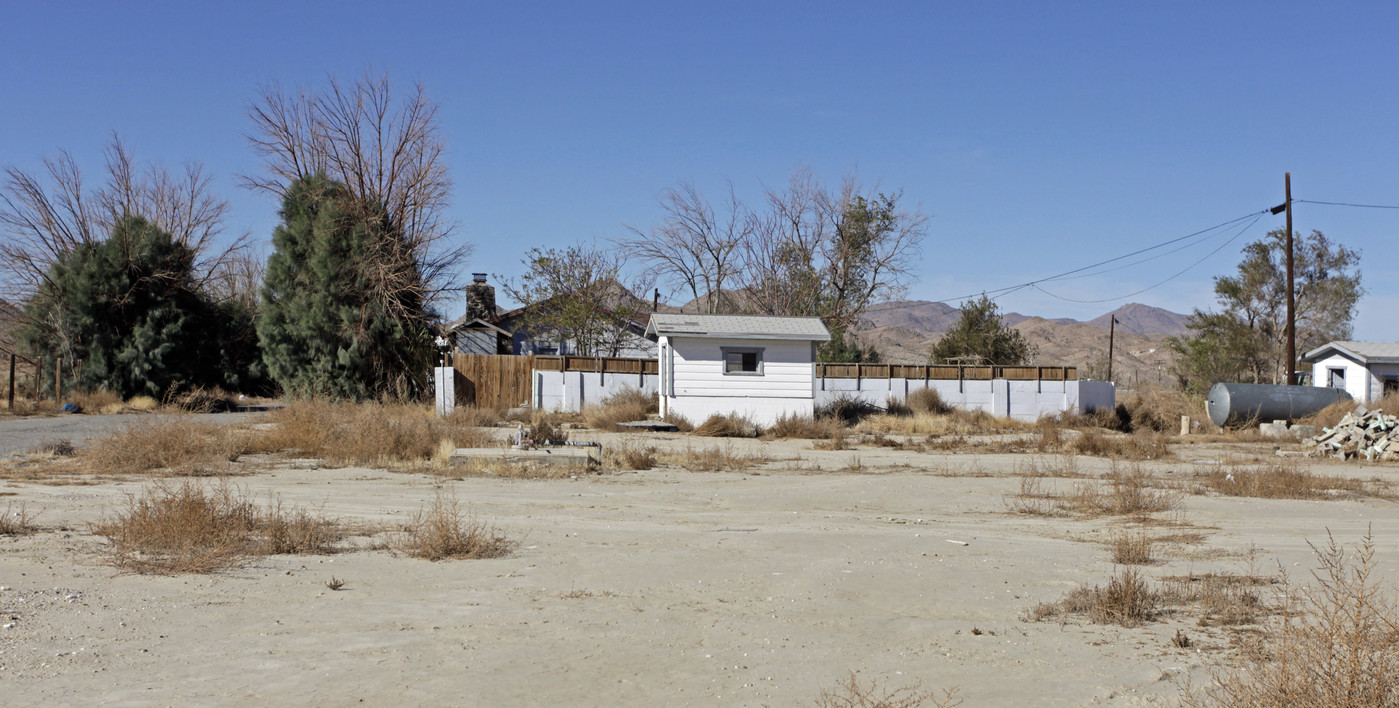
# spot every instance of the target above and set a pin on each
(749, 587)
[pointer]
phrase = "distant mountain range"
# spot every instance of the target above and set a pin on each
(935, 318)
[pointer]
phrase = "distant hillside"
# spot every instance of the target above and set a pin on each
(936, 317)
(1144, 319)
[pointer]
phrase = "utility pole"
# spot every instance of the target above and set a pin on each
(1291, 297)
(1112, 331)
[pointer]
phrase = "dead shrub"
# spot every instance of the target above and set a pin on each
(1131, 549)
(928, 401)
(712, 459)
(629, 456)
(1128, 491)
(1138, 446)
(1127, 600)
(58, 447)
(441, 531)
(199, 399)
(680, 422)
(16, 521)
(852, 693)
(837, 440)
(176, 444)
(1219, 598)
(365, 433)
(1033, 499)
(897, 406)
(142, 403)
(191, 529)
(624, 406)
(474, 417)
(546, 428)
(1330, 416)
(1283, 480)
(1338, 647)
(100, 401)
(847, 408)
(803, 427)
(727, 425)
(1160, 410)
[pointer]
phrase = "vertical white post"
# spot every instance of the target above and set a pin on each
(446, 385)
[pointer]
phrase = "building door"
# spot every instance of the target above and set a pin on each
(1336, 378)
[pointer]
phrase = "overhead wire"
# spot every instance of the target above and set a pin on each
(1345, 204)
(1181, 272)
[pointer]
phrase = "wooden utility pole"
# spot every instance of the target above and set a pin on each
(1291, 298)
(1112, 331)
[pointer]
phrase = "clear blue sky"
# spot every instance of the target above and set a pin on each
(1038, 136)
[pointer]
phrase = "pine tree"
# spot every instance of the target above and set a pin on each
(128, 308)
(342, 302)
(979, 332)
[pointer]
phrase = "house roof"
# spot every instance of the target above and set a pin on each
(737, 327)
(1363, 352)
(463, 323)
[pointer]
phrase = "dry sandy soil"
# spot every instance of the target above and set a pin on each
(662, 587)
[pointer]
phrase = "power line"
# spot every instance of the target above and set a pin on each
(1001, 292)
(1345, 204)
(1221, 246)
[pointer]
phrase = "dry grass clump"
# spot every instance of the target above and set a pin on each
(1131, 548)
(624, 406)
(16, 521)
(1160, 410)
(1127, 600)
(847, 408)
(1219, 598)
(474, 417)
(928, 402)
(202, 400)
(1330, 416)
(1138, 446)
(1127, 492)
(191, 529)
(852, 693)
(629, 456)
(804, 427)
(441, 531)
(727, 425)
(365, 433)
(958, 422)
(177, 444)
(142, 403)
(1338, 647)
(680, 422)
(101, 401)
(712, 459)
(57, 447)
(1285, 480)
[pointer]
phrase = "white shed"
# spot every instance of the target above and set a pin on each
(759, 366)
(1365, 370)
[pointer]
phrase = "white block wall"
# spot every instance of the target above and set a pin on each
(1021, 400)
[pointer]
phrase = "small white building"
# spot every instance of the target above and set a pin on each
(1365, 370)
(758, 366)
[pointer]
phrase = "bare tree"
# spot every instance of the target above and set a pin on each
(387, 152)
(582, 295)
(47, 214)
(693, 248)
(831, 254)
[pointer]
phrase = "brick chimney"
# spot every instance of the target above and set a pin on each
(480, 298)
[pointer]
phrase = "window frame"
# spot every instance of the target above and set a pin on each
(724, 353)
(1334, 375)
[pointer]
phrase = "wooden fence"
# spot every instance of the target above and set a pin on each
(946, 372)
(504, 381)
(493, 380)
(602, 364)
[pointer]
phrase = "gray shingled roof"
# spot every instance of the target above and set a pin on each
(738, 327)
(1364, 352)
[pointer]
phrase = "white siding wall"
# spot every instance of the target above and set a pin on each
(696, 386)
(1360, 383)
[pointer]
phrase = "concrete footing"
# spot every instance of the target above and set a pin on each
(566, 457)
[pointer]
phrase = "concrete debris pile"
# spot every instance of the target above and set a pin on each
(1364, 433)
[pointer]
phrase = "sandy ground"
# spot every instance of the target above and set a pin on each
(662, 587)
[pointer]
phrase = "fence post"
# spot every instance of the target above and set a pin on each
(11, 401)
(57, 379)
(38, 377)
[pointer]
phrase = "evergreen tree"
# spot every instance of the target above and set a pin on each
(980, 332)
(128, 308)
(342, 302)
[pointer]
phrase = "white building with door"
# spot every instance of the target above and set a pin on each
(758, 366)
(1365, 370)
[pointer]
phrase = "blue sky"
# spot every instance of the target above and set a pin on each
(1038, 137)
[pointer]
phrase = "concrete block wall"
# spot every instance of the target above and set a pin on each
(571, 391)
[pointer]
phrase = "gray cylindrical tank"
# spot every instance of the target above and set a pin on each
(1233, 403)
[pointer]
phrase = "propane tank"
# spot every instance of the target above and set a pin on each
(1234, 403)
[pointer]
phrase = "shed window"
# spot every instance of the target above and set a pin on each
(1336, 378)
(743, 361)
